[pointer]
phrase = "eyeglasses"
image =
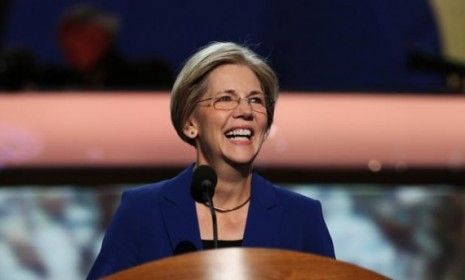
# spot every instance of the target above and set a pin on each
(231, 102)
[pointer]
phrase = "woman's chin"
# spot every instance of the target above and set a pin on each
(238, 159)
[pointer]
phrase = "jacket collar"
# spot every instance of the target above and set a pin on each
(180, 217)
(179, 214)
(261, 229)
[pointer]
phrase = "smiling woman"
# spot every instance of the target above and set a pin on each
(229, 136)
(222, 104)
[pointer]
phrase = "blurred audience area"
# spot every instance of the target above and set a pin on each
(402, 231)
(87, 41)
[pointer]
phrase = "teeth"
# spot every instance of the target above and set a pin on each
(240, 132)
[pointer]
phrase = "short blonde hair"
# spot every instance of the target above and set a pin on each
(190, 85)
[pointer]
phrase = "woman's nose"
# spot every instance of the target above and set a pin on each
(244, 108)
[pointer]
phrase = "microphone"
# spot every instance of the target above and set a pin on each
(184, 247)
(203, 183)
(202, 190)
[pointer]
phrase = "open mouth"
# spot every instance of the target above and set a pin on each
(239, 134)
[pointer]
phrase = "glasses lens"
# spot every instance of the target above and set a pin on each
(257, 103)
(225, 104)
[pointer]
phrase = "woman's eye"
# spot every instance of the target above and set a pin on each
(257, 100)
(224, 98)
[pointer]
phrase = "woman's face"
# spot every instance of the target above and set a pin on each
(233, 136)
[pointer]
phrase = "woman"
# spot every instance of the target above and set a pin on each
(222, 104)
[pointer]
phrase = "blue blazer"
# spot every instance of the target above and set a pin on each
(160, 220)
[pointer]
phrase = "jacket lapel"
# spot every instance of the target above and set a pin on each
(264, 215)
(179, 215)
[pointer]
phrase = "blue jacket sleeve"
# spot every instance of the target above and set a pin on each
(322, 243)
(119, 248)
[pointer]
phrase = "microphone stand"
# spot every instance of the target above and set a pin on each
(214, 222)
(204, 181)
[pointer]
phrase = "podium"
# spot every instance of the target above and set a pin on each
(245, 264)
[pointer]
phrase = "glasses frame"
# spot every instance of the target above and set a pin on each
(238, 100)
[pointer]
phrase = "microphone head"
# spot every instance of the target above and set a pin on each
(203, 183)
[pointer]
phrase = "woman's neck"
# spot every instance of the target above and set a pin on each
(233, 186)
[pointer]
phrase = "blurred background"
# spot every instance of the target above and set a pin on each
(65, 65)
(402, 46)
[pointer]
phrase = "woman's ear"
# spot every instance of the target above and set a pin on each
(190, 129)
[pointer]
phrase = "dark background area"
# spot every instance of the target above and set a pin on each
(362, 45)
